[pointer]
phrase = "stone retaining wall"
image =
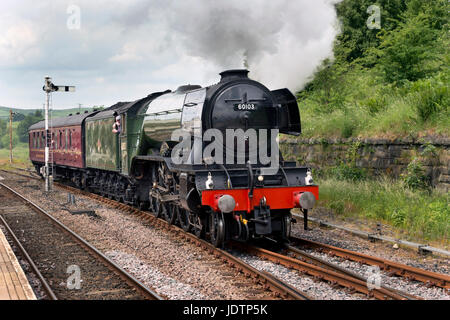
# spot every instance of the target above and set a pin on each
(378, 156)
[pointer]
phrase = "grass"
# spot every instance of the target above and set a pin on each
(421, 215)
(20, 157)
(364, 106)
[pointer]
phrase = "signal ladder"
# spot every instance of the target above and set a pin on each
(51, 143)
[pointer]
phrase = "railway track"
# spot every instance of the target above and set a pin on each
(328, 273)
(279, 288)
(294, 259)
(49, 294)
(334, 276)
(56, 253)
(304, 256)
(331, 273)
(393, 268)
(268, 282)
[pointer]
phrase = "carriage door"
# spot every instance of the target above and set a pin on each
(123, 144)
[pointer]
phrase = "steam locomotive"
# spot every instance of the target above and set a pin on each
(129, 152)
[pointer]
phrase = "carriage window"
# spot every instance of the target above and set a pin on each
(70, 139)
(33, 143)
(65, 132)
(53, 140)
(38, 140)
(43, 139)
(60, 139)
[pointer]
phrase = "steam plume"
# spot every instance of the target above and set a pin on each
(282, 42)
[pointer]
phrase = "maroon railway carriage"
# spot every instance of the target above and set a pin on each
(67, 144)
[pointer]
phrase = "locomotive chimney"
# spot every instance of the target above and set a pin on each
(234, 75)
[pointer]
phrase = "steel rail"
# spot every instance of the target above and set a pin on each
(326, 264)
(300, 293)
(146, 292)
(322, 273)
(49, 292)
(428, 277)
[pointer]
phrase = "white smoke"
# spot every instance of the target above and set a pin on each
(282, 42)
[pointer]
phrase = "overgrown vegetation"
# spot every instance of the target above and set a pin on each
(408, 204)
(392, 81)
(347, 169)
(424, 215)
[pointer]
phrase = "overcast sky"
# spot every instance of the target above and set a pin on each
(124, 50)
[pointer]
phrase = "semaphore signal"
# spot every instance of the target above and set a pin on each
(49, 87)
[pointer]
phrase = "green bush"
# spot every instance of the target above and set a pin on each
(429, 98)
(407, 53)
(429, 150)
(398, 216)
(375, 104)
(348, 172)
(338, 207)
(348, 128)
(415, 177)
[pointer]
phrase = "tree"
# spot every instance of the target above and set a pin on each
(4, 141)
(30, 119)
(408, 53)
(18, 117)
(355, 37)
(2, 127)
(3, 131)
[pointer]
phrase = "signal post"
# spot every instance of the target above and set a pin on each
(49, 87)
